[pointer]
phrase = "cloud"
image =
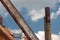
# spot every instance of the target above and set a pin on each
(35, 7)
(56, 14)
(59, 33)
(40, 35)
(29, 4)
(16, 31)
(39, 14)
(36, 14)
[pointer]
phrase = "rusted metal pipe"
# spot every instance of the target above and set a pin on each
(19, 20)
(47, 24)
(5, 34)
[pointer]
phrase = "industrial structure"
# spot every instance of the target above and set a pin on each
(47, 24)
(29, 34)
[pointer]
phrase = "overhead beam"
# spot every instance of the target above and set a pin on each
(47, 24)
(19, 20)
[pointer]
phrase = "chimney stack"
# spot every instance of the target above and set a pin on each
(47, 24)
(0, 20)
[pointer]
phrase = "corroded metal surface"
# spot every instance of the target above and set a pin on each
(47, 14)
(4, 34)
(19, 20)
(47, 24)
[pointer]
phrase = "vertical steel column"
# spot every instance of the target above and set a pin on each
(47, 24)
(19, 20)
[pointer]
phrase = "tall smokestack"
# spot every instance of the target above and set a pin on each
(47, 24)
(0, 20)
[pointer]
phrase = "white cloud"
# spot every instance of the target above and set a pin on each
(36, 14)
(39, 14)
(16, 31)
(29, 4)
(59, 33)
(40, 35)
(36, 7)
(53, 15)
(56, 14)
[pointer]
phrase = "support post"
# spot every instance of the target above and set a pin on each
(47, 24)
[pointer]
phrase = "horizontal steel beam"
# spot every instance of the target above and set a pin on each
(19, 20)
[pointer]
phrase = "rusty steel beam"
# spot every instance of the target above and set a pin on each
(19, 20)
(47, 24)
(5, 34)
(0, 20)
(25, 38)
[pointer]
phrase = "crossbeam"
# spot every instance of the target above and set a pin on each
(19, 20)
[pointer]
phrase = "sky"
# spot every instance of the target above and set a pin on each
(33, 11)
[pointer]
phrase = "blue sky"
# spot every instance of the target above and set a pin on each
(33, 13)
